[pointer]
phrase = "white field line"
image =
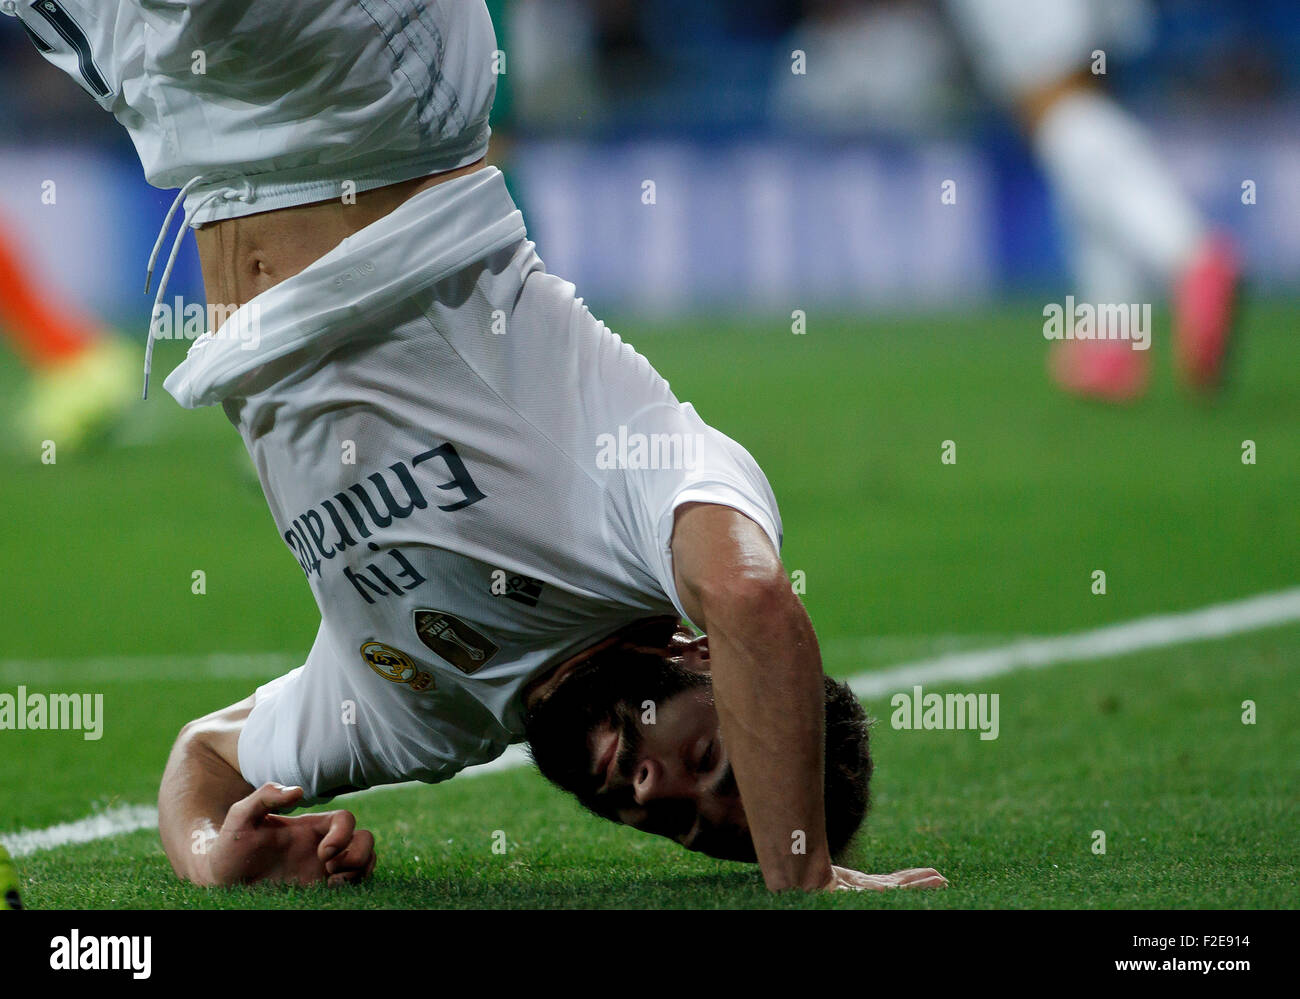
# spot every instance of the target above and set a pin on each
(131, 818)
(1158, 631)
(113, 822)
(261, 666)
(1267, 610)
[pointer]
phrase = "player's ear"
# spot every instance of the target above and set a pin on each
(694, 653)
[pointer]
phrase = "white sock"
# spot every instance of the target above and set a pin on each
(1104, 271)
(1105, 170)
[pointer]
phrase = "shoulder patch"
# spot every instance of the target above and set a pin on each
(466, 648)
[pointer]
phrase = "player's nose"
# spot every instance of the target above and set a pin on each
(646, 780)
(652, 780)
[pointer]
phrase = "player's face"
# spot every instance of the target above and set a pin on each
(634, 736)
(663, 769)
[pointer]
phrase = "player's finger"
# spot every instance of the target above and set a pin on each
(338, 829)
(346, 878)
(873, 882)
(913, 874)
(356, 856)
(856, 881)
(938, 881)
(353, 877)
(268, 798)
(922, 877)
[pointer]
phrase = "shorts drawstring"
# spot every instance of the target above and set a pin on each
(244, 193)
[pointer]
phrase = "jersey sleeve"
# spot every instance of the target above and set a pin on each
(715, 469)
(296, 734)
(334, 725)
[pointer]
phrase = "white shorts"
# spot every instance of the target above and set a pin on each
(1019, 46)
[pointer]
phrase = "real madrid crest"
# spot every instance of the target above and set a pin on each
(395, 665)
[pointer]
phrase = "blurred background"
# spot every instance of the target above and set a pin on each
(905, 174)
(770, 184)
(916, 179)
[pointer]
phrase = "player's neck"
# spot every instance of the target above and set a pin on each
(543, 685)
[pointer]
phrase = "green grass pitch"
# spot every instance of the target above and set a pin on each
(902, 555)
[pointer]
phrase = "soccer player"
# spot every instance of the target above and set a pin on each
(82, 379)
(502, 510)
(1126, 215)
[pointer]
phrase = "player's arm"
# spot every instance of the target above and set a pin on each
(767, 683)
(217, 829)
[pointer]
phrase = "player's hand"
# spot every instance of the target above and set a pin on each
(257, 845)
(844, 879)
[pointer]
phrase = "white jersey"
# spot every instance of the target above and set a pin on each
(294, 99)
(476, 476)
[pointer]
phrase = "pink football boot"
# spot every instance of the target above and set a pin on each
(1205, 300)
(1109, 370)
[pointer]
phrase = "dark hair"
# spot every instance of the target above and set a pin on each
(604, 688)
(849, 766)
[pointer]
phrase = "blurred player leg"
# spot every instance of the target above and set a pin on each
(1101, 369)
(1105, 171)
(81, 379)
(1205, 308)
